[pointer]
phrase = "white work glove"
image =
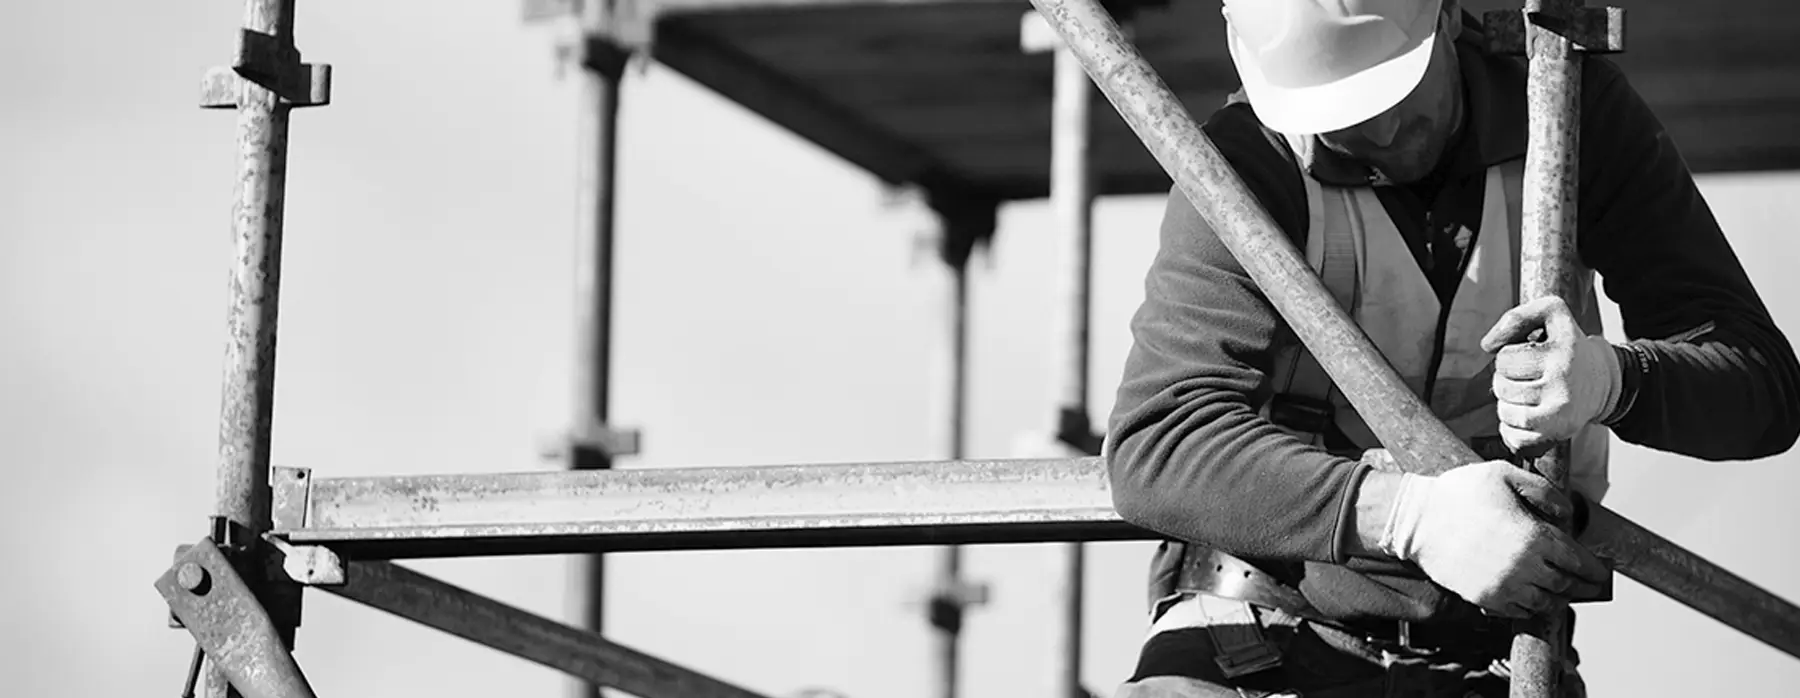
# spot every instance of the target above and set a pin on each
(1550, 389)
(1474, 532)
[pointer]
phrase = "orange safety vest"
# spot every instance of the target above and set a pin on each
(1360, 256)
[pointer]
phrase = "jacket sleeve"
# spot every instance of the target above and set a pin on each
(1189, 456)
(1715, 378)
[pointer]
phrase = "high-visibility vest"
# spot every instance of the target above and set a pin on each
(1367, 266)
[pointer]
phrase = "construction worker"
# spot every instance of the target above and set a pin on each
(1389, 145)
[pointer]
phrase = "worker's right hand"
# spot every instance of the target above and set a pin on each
(1484, 531)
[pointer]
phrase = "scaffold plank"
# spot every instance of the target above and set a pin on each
(784, 506)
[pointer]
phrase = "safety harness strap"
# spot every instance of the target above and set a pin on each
(1304, 404)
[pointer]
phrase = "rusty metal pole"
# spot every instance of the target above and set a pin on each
(1552, 35)
(594, 444)
(246, 419)
(1419, 441)
(1553, 97)
(1072, 193)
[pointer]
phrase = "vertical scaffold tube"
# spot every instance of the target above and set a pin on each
(947, 610)
(1553, 99)
(246, 419)
(1072, 194)
(602, 71)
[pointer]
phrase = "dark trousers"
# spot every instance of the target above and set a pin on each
(1180, 660)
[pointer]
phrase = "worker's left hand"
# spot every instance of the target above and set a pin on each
(1550, 388)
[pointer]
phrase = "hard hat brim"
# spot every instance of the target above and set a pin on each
(1303, 111)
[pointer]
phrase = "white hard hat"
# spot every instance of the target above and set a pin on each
(1315, 66)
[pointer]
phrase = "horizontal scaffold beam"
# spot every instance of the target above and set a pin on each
(844, 505)
(785, 506)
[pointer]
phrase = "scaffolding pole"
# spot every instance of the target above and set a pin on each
(1072, 202)
(594, 443)
(265, 82)
(947, 611)
(1552, 34)
(1072, 194)
(965, 222)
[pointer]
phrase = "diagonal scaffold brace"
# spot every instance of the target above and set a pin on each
(208, 597)
(1419, 441)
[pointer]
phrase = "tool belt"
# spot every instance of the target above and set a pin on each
(1232, 589)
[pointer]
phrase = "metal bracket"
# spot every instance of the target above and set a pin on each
(1594, 30)
(596, 53)
(266, 63)
(206, 594)
(310, 565)
(627, 26)
(968, 222)
(289, 491)
(1075, 430)
(944, 606)
(594, 440)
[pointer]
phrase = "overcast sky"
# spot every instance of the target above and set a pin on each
(771, 311)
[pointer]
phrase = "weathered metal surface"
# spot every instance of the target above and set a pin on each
(923, 503)
(1418, 440)
(255, 287)
(268, 62)
(1590, 29)
(247, 405)
(228, 621)
(1549, 263)
(287, 495)
(310, 565)
(476, 618)
(1692, 580)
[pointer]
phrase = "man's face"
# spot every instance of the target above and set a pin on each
(1405, 142)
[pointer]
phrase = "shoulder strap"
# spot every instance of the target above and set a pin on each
(1336, 267)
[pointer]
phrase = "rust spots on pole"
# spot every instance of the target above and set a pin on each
(265, 82)
(1551, 34)
(228, 620)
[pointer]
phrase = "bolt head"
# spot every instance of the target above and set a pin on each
(191, 576)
